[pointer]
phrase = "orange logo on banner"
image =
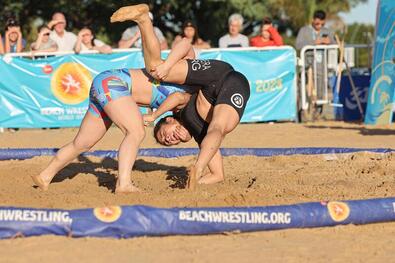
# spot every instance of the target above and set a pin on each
(108, 214)
(71, 82)
(338, 211)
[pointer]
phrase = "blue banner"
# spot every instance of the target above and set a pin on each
(134, 221)
(27, 153)
(272, 77)
(381, 93)
(346, 96)
(53, 92)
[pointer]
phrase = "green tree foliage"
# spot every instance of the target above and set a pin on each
(210, 15)
(300, 12)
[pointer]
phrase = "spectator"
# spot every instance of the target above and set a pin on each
(234, 38)
(268, 36)
(64, 39)
(131, 37)
(13, 43)
(316, 33)
(43, 42)
(1, 45)
(87, 41)
(189, 31)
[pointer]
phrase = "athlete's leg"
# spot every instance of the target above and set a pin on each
(91, 131)
(125, 113)
(224, 120)
(216, 170)
(151, 45)
(150, 42)
(230, 105)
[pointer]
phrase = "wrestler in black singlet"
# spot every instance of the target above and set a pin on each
(221, 84)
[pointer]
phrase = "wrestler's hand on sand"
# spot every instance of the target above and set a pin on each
(161, 71)
(133, 13)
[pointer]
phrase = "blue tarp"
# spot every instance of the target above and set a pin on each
(26, 153)
(134, 221)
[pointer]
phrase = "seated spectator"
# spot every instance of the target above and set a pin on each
(86, 41)
(1, 45)
(131, 37)
(189, 31)
(268, 36)
(64, 39)
(43, 42)
(13, 43)
(234, 38)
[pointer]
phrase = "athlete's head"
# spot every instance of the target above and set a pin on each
(169, 131)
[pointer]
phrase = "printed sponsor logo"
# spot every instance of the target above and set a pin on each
(339, 211)
(70, 83)
(198, 64)
(57, 111)
(269, 85)
(351, 101)
(235, 217)
(35, 216)
(108, 214)
(237, 100)
(47, 69)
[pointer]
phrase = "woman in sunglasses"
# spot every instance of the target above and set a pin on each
(87, 41)
(43, 42)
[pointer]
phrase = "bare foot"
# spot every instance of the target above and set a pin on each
(130, 188)
(210, 179)
(40, 182)
(132, 12)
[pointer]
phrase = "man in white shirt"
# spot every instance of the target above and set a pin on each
(234, 38)
(64, 39)
(131, 37)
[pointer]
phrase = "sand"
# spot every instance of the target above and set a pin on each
(250, 181)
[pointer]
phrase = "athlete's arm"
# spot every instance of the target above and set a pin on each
(176, 100)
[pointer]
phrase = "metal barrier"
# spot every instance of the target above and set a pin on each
(324, 60)
(318, 50)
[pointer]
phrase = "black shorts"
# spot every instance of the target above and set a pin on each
(206, 72)
(208, 75)
(235, 92)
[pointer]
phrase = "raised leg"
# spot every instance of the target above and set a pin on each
(151, 45)
(178, 68)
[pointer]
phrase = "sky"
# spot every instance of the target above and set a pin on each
(362, 13)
